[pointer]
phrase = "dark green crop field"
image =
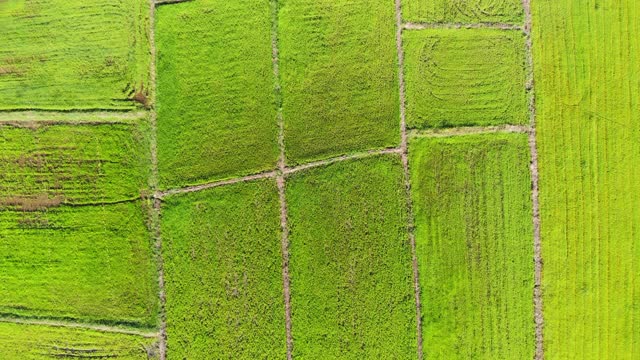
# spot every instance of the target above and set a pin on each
(319, 179)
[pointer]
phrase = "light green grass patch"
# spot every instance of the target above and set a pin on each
(463, 11)
(73, 54)
(42, 165)
(40, 342)
(465, 77)
(586, 56)
(87, 263)
(351, 279)
(223, 273)
(339, 76)
(216, 102)
(474, 236)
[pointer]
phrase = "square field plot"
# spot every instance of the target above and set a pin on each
(43, 165)
(92, 263)
(339, 76)
(61, 54)
(223, 273)
(474, 238)
(216, 102)
(350, 262)
(41, 342)
(463, 11)
(465, 77)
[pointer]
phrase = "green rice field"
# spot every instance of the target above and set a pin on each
(329, 179)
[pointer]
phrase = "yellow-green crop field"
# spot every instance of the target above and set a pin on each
(328, 179)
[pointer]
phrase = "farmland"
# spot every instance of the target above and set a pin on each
(223, 273)
(473, 232)
(588, 125)
(329, 179)
(464, 77)
(339, 77)
(351, 282)
(99, 59)
(215, 91)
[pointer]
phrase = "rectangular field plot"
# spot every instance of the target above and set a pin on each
(216, 102)
(465, 77)
(339, 76)
(61, 54)
(586, 57)
(223, 273)
(47, 165)
(350, 262)
(474, 237)
(463, 11)
(90, 263)
(41, 342)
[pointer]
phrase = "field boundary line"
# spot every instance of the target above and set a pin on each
(407, 181)
(215, 184)
(353, 156)
(535, 191)
(280, 178)
(485, 25)
(156, 207)
(168, 2)
(77, 325)
(470, 130)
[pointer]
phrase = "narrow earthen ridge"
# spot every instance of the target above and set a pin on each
(487, 25)
(353, 156)
(195, 188)
(537, 244)
(75, 325)
(470, 130)
(153, 183)
(280, 179)
(166, 2)
(405, 165)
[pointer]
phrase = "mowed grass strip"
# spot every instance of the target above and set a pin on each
(474, 238)
(586, 57)
(339, 77)
(87, 263)
(223, 275)
(216, 100)
(40, 342)
(350, 262)
(74, 54)
(463, 11)
(465, 77)
(43, 166)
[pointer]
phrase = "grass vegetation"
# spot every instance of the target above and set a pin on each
(474, 238)
(40, 342)
(350, 262)
(464, 77)
(87, 263)
(43, 165)
(586, 57)
(463, 11)
(223, 273)
(339, 76)
(74, 54)
(216, 102)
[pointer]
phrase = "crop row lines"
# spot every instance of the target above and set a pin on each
(76, 325)
(443, 25)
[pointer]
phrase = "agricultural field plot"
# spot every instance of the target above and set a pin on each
(87, 263)
(463, 11)
(72, 54)
(339, 77)
(472, 204)
(223, 271)
(216, 91)
(465, 77)
(350, 262)
(586, 57)
(43, 165)
(40, 342)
